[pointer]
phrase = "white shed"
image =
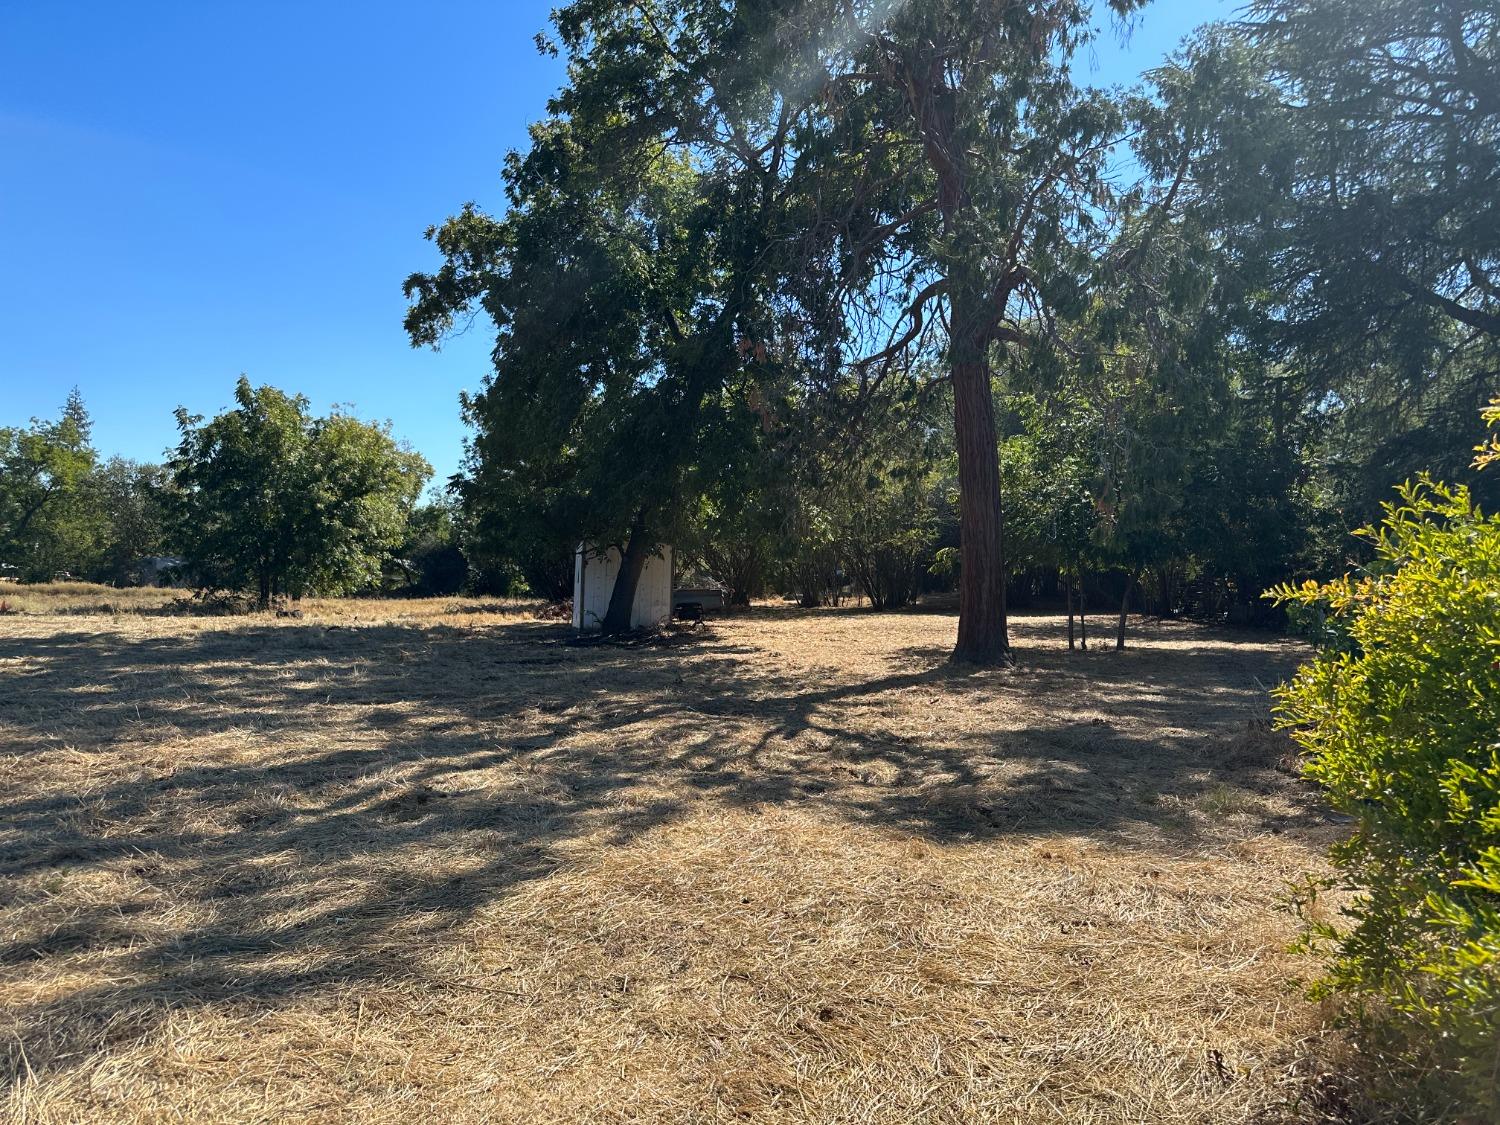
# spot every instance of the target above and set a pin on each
(594, 575)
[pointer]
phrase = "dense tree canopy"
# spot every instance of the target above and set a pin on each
(270, 498)
(742, 213)
(631, 281)
(44, 470)
(1337, 163)
(767, 190)
(132, 502)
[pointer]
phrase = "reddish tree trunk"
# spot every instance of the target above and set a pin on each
(982, 634)
(972, 304)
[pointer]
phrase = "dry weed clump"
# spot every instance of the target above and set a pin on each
(402, 861)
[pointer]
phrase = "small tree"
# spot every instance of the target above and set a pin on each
(736, 542)
(44, 468)
(887, 524)
(271, 499)
(887, 542)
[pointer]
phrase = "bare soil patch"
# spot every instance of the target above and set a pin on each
(442, 865)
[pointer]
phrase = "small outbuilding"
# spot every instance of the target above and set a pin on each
(594, 573)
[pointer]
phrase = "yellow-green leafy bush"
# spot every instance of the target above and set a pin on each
(1400, 720)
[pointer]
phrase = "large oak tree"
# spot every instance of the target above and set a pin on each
(638, 280)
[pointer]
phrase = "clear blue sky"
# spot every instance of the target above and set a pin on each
(193, 190)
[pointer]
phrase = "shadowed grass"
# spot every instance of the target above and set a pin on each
(401, 860)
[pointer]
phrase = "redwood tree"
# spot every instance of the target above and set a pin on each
(1004, 220)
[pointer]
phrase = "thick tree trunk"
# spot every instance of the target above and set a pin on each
(632, 564)
(982, 633)
(972, 304)
(1083, 614)
(1124, 610)
(263, 594)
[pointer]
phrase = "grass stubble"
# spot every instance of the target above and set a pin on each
(402, 861)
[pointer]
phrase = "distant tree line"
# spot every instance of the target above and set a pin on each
(264, 499)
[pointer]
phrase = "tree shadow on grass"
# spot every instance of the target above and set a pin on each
(316, 802)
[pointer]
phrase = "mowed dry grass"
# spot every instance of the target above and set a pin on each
(87, 599)
(794, 868)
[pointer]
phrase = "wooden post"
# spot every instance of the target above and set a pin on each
(1068, 586)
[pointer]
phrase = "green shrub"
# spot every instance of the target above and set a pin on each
(1400, 721)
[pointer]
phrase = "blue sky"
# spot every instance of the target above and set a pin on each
(193, 190)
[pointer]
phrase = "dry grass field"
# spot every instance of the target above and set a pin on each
(401, 862)
(88, 600)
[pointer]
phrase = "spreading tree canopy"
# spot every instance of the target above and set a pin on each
(1340, 160)
(269, 498)
(635, 279)
(780, 193)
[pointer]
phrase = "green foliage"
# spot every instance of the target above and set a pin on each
(132, 506)
(886, 535)
(886, 507)
(807, 555)
(628, 281)
(1336, 164)
(1400, 719)
(432, 552)
(738, 526)
(600, 400)
(1390, 164)
(839, 513)
(45, 528)
(62, 512)
(269, 498)
(1488, 451)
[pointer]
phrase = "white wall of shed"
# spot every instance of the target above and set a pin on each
(578, 564)
(594, 577)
